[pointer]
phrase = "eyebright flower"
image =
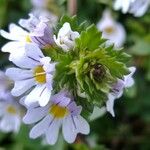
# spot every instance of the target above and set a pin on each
(40, 31)
(135, 7)
(139, 7)
(61, 111)
(66, 37)
(19, 38)
(111, 30)
(117, 90)
(35, 73)
(10, 113)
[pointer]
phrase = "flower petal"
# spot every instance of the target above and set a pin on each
(12, 47)
(18, 55)
(39, 94)
(16, 33)
(17, 122)
(110, 104)
(53, 131)
(21, 87)
(7, 123)
(69, 130)
(40, 128)
(35, 114)
(32, 50)
(19, 74)
(82, 125)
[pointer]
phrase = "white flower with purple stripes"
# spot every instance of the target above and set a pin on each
(34, 76)
(117, 90)
(66, 37)
(40, 30)
(60, 112)
(18, 36)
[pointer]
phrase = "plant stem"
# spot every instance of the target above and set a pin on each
(72, 7)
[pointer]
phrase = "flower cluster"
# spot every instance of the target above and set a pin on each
(62, 73)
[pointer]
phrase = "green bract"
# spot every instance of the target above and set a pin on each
(90, 68)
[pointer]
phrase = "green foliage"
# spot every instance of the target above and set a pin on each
(86, 42)
(75, 26)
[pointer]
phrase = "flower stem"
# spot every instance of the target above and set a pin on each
(72, 7)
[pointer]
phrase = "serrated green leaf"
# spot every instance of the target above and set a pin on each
(72, 20)
(86, 42)
(118, 54)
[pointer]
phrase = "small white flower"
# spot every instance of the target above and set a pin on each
(117, 90)
(52, 18)
(135, 7)
(10, 113)
(34, 70)
(41, 31)
(19, 38)
(66, 37)
(123, 4)
(38, 4)
(62, 111)
(111, 30)
(139, 7)
(128, 79)
(34, 24)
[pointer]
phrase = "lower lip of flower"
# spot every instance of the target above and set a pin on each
(40, 75)
(58, 111)
(11, 110)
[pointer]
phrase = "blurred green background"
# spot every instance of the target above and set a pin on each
(130, 129)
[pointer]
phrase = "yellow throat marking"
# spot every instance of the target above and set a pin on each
(109, 30)
(28, 39)
(11, 110)
(40, 75)
(58, 111)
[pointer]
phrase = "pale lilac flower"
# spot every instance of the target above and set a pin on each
(135, 7)
(18, 37)
(38, 4)
(35, 73)
(60, 112)
(10, 114)
(52, 18)
(124, 5)
(40, 31)
(111, 30)
(66, 37)
(139, 7)
(117, 90)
